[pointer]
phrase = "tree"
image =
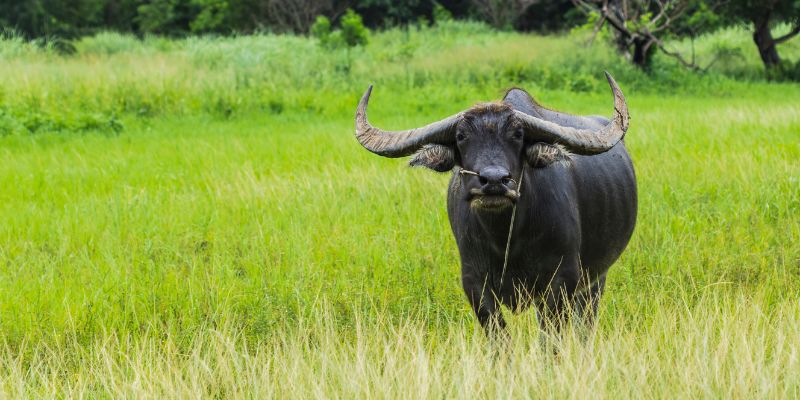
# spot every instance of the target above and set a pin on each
(640, 26)
(46, 18)
(501, 14)
(763, 14)
(157, 16)
(67, 19)
(211, 16)
(351, 33)
(298, 15)
(548, 16)
(441, 14)
(393, 12)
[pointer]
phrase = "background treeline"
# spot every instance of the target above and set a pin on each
(638, 28)
(71, 18)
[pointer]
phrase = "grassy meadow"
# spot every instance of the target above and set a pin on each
(194, 218)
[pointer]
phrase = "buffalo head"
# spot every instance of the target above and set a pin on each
(492, 141)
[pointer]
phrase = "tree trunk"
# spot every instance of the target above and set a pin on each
(765, 43)
(642, 52)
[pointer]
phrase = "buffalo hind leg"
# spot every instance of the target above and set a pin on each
(588, 301)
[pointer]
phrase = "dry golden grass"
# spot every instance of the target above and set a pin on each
(733, 347)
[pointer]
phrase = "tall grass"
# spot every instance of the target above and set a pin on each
(44, 91)
(732, 52)
(194, 218)
(740, 350)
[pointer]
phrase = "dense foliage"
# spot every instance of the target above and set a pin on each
(639, 28)
(72, 18)
(241, 75)
(762, 16)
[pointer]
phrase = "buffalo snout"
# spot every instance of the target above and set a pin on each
(495, 180)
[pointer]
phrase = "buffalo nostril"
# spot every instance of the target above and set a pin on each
(494, 175)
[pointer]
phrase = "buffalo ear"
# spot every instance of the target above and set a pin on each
(541, 155)
(437, 157)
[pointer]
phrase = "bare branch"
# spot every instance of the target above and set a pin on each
(500, 13)
(618, 25)
(677, 56)
(662, 9)
(788, 36)
(678, 12)
(585, 6)
(596, 30)
(295, 15)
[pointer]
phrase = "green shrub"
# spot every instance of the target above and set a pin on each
(211, 16)
(283, 74)
(353, 30)
(107, 43)
(441, 14)
(321, 28)
(157, 16)
(784, 72)
(14, 46)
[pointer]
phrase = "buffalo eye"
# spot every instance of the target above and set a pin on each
(517, 135)
(460, 136)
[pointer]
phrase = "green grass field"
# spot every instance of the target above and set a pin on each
(194, 218)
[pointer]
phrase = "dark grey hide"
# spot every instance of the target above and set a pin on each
(575, 215)
(575, 212)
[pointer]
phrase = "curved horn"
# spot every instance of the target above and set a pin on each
(400, 143)
(582, 141)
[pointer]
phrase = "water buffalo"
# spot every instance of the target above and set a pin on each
(541, 203)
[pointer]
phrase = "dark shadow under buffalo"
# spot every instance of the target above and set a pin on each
(567, 180)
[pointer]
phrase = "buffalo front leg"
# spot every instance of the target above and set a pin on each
(484, 303)
(558, 302)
